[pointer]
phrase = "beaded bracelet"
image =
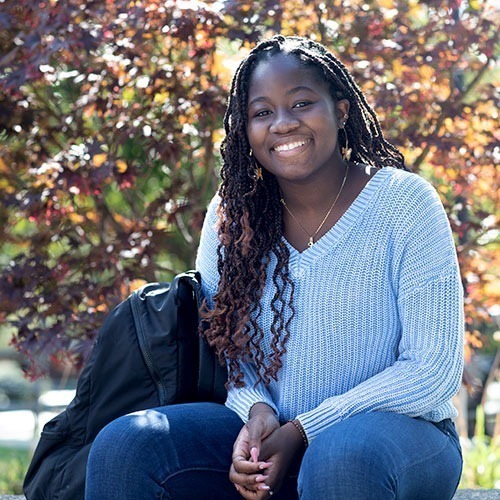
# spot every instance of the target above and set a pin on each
(299, 427)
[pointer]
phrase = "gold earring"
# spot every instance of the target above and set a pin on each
(346, 150)
(258, 172)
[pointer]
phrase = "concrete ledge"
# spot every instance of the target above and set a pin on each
(477, 495)
(461, 495)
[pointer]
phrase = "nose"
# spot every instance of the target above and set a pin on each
(283, 123)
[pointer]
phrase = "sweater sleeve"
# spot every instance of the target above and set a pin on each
(426, 280)
(206, 256)
(242, 399)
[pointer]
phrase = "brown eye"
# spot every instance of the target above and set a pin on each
(302, 104)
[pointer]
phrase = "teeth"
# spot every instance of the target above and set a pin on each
(291, 145)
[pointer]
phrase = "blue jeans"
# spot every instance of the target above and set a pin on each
(183, 452)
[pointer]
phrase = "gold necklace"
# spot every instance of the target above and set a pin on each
(311, 236)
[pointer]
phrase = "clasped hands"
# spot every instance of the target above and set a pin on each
(263, 453)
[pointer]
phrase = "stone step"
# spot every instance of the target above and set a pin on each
(477, 495)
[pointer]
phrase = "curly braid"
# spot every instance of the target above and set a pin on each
(250, 214)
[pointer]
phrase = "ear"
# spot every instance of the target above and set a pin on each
(342, 111)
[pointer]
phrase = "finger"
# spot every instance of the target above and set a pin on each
(265, 490)
(247, 495)
(240, 478)
(240, 446)
(254, 444)
(244, 466)
(252, 482)
(253, 495)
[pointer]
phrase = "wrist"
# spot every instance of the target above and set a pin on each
(299, 432)
(260, 408)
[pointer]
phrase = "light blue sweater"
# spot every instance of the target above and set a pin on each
(379, 312)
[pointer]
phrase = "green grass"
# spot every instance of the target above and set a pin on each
(481, 465)
(13, 465)
(481, 458)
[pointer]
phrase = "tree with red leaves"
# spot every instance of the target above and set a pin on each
(110, 121)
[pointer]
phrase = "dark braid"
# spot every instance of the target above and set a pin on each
(250, 214)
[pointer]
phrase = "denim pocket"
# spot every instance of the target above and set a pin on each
(447, 427)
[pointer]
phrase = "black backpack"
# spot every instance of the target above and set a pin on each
(148, 353)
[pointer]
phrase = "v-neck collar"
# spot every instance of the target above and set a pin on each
(341, 227)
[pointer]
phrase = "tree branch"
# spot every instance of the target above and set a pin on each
(442, 117)
(321, 26)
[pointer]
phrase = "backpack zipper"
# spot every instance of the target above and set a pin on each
(160, 386)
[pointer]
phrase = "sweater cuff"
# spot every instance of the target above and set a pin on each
(317, 420)
(242, 399)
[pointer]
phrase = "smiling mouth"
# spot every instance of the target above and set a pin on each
(290, 146)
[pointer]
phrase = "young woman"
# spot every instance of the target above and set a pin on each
(334, 297)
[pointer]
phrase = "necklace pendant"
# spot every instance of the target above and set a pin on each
(311, 242)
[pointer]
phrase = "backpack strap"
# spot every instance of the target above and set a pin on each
(181, 363)
(212, 376)
(166, 321)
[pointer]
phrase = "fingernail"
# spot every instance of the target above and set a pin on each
(264, 465)
(264, 487)
(259, 479)
(254, 454)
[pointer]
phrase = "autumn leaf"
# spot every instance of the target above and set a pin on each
(99, 159)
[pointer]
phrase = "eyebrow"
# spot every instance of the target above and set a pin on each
(293, 90)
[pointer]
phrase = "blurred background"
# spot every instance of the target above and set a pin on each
(110, 124)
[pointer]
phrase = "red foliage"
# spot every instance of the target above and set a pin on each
(110, 117)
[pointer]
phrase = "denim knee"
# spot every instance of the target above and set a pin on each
(381, 456)
(133, 441)
(163, 453)
(343, 466)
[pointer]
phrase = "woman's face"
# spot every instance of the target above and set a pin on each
(293, 121)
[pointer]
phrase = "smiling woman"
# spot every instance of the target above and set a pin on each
(333, 296)
(293, 122)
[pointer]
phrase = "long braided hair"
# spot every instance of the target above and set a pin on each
(250, 215)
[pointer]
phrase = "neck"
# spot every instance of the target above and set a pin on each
(313, 196)
(311, 230)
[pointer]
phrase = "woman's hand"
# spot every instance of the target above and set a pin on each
(259, 471)
(247, 472)
(280, 449)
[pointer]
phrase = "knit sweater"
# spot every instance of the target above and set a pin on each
(378, 322)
